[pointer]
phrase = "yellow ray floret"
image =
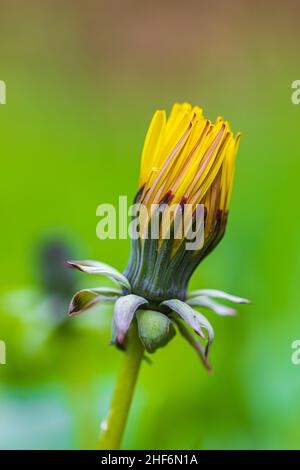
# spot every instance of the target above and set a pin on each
(187, 158)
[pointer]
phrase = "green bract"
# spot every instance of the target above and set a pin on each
(155, 327)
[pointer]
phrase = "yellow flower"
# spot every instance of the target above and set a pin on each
(185, 155)
(187, 163)
(186, 160)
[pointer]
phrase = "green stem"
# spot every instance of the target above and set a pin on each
(115, 423)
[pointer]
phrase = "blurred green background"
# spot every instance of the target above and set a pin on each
(83, 80)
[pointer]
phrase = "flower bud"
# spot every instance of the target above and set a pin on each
(155, 329)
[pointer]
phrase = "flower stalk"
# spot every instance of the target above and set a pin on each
(113, 427)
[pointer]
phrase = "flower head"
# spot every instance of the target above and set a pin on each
(187, 164)
(185, 183)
